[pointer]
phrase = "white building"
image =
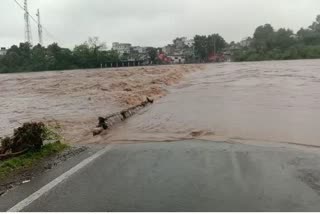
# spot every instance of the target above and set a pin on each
(139, 49)
(3, 51)
(121, 48)
(178, 59)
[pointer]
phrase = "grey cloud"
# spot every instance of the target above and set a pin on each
(152, 22)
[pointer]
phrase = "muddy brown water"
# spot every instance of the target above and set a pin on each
(75, 99)
(256, 101)
(259, 101)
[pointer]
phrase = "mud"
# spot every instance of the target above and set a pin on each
(75, 99)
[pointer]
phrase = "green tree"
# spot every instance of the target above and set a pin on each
(263, 38)
(200, 47)
(283, 38)
(39, 59)
(153, 54)
(215, 43)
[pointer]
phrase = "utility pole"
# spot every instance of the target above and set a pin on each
(28, 33)
(39, 28)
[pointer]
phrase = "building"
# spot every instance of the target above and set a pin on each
(121, 48)
(3, 51)
(177, 59)
(140, 50)
(168, 50)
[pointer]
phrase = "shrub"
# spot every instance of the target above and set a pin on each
(28, 137)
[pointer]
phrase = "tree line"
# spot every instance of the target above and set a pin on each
(265, 44)
(282, 44)
(24, 58)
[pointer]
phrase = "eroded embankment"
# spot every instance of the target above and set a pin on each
(75, 99)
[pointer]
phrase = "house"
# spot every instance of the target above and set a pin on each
(168, 50)
(177, 59)
(121, 48)
(227, 55)
(3, 51)
(140, 50)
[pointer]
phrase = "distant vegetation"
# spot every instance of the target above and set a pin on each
(205, 46)
(24, 57)
(282, 44)
(266, 44)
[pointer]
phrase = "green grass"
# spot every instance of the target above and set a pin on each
(30, 159)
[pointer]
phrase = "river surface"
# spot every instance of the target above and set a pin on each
(277, 101)
(75, 99)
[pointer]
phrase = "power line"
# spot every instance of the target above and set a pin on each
(35, 21)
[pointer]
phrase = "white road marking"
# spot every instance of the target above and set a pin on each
(35, 196)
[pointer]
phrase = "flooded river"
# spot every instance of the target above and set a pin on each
(75, 99)
(257, 101)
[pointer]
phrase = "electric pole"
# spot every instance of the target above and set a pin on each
(28, 33)
(39, 28)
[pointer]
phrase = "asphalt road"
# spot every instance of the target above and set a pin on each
(191, 176)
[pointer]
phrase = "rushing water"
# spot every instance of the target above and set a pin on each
(75, 99)
(262, 101)
(277, 101)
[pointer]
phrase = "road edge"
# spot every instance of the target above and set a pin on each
(45, 189)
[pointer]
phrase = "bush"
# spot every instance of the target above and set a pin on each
(5, 145)
(28, 137)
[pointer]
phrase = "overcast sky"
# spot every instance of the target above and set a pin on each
(152, 22)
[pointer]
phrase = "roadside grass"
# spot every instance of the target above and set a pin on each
(53, 146)
(30, 159)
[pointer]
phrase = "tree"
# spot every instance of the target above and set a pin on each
(82, 55)
(207, 45)
(263, 38)
(215, 43)
(200, 47)
(153, 54)
(179, 43)
(283, 38)
(316, 25)
(39, 60)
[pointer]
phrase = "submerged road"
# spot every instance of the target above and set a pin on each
(191, 176)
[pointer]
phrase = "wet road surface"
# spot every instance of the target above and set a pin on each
(191, 176)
